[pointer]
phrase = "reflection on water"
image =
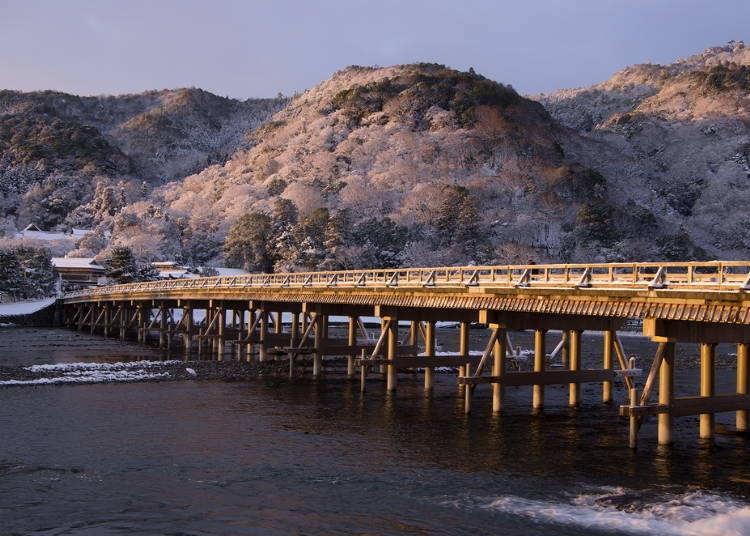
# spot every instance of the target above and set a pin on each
(273, 457)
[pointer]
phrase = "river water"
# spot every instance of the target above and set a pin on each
(270, 457)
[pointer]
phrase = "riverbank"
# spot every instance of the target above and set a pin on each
(142, 371)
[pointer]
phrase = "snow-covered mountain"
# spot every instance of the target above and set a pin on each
(675, 139)
(405, 165)
(56, 148)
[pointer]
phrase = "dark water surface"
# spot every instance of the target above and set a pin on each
(271, 457)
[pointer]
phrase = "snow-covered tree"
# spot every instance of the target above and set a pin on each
(122, 267)
(11, 274)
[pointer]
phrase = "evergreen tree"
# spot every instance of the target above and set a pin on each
(11, 274)
(122, 267)
(457, 225)
(249, 244)
(147, 272)
(335, 238)
(39, 277)
(285, 236)
(310, 237)
(384, 241)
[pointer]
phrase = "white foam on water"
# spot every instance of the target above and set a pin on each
(696, 513)
(95, 372)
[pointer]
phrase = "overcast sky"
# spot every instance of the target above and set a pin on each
(251, 48)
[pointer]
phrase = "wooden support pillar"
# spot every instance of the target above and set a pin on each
(222, 320)
(540, 354)
(666, 394)
(293, 337)
(499, 352)
(162, 325)
(391, 354)
(565, 352)
(574, 389)
(124, 320)
(608, 364)
(633, 420)
(140, 322)
(250, 325)
(708, 358)
(107, 319)
(429, 372)
(363, 370)
(351, 340)
(187, 313)
(94, 314)
(262, 347)
(743, 379)
(413, 332)
(320, 328)
(463, 349)
(278, 324)
(294, 329)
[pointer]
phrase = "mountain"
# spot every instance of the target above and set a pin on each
(675, 139)
(466, 168)
(406, 165)
(55, 148)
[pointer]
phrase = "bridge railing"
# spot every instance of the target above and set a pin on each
(728, 275)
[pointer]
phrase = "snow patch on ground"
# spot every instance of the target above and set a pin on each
(95, 372)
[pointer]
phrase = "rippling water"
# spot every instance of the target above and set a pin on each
(317, 458)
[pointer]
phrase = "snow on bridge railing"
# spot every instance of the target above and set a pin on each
(722, 275)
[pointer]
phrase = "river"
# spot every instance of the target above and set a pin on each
(273, 457)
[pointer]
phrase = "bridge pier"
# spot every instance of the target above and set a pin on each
(429, 379)
(187, 316)
(163, 335)
(392, 353)
(140, 324)
(607, 364)
(708, 387)
(263, 335)
(574, 389)
(499, 366)
(107, 319)
(666, 395)
(743, 379)
(320, 329)
(220, 333)
(351, 340)
(463, 349)
(540, 356)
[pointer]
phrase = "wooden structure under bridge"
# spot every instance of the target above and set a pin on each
(705, 303)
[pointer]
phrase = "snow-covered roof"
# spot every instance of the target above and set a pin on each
(81, 232)
(230, 271)
(174, 274)
(43, 235)
(24, 307)
(76, 262)
(159, 264)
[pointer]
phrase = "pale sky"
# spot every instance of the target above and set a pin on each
(256, 49)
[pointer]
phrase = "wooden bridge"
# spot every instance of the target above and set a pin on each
(704, 303)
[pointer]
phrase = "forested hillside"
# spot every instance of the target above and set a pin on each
(406, 165)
